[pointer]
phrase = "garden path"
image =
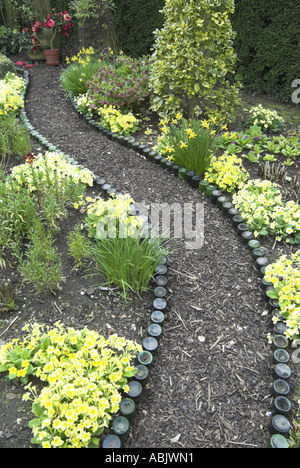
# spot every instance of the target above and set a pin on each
(210, 383)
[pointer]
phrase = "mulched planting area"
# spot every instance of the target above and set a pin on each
(210, 383)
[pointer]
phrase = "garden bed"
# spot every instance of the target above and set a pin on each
(210, 384)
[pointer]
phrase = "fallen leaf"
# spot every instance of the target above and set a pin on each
(175, 439)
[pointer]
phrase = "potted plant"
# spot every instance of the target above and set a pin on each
(46, 36)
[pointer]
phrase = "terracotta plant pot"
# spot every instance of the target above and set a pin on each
(52, 57)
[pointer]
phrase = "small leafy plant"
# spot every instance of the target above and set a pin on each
(79, 246)
(267, 120)
(7, 297)
(285, 276)
(42, 264)
(14, 137)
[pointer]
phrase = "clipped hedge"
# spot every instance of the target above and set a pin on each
(135, 21)
(268, 45)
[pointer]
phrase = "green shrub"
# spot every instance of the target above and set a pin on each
(9, 40)
(75, 78)
(193, 55)
(6, 65)
(121, 82)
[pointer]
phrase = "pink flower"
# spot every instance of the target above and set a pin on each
(36, 25)
(28, 65)
(49, 24)
(67, 17)
(20, 63)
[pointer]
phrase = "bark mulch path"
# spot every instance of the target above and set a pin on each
(210, 383)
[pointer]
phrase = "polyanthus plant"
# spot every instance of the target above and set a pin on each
(116, 121)
(111, 118)
(284, 274)
(267, 120)
(10, 88)
(227, 172)
(111, 218)
(193, 53)
(85, 374)
(264, 210)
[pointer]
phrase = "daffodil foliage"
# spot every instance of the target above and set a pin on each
(193, 55)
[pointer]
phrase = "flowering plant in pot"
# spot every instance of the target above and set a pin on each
(47, 36)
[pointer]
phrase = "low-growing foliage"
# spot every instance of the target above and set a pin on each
(263, 207)
(285, 276)
(10, 89)
(227, 172)
(85, 374)
(267, 120)
(41, 265)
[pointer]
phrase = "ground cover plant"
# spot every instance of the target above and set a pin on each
(265, 212)
(227, 172)
(268, 121)
(121, 82)
(284, 275)
(85, 373)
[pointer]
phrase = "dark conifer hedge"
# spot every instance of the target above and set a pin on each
(135, 21)
(268, 45)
